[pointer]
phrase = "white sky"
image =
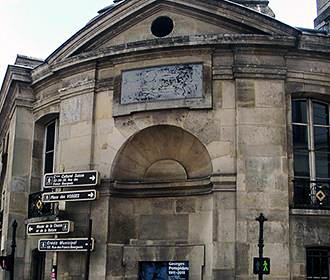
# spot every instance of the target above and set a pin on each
(37, 27)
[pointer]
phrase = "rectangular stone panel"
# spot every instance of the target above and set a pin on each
(166, 82)
(163, 227)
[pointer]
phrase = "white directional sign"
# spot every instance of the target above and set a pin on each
(65, 244)
(45, 228)
(71, 179)
(82, 195)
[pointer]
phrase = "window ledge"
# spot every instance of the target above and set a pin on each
(157, 189)
(310, 212)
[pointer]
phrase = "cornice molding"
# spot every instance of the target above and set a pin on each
(163, 44)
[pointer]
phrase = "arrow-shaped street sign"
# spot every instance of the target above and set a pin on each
(53, 227)
(82, 195)
(65, 244)
(71, 179)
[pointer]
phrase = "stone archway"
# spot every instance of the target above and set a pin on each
(161, 207)
(161, 153)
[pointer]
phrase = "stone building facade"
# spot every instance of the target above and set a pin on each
(198, 115)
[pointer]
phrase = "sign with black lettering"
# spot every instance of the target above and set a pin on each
(69, 196)
(169, 270)
(44, 228)
(261, 265)
(71, 179)
(67, 244)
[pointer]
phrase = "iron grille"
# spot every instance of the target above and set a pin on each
(37, 208)
(311, 194)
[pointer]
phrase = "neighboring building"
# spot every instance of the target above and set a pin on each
(322, 22)
(198, 115)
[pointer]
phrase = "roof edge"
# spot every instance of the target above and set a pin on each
(75, 37)
(14, 73)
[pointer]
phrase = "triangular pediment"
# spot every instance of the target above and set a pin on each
(185, 23)
(131, 21)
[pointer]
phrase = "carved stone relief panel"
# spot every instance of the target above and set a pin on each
(146, 84)
(166, 82)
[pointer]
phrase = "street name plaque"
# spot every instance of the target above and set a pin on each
(83, 195)
(67, 244)
(71, 179)
(44, 228)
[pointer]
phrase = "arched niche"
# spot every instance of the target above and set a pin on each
(159, 158)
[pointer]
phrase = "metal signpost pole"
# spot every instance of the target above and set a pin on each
(54, 264)
(88, 255)
(261, 219)
(13, 247)
(54, 267)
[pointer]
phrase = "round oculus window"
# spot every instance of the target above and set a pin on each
(162, 26)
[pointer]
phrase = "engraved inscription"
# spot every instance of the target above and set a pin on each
(162, 83)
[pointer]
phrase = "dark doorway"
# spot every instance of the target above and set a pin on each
(38, 265)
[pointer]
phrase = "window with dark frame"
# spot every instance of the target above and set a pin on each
(47, 130)
(311, 152)
(49, 146)
(317, 263)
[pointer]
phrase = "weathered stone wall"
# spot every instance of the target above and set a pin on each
(262, 174)
(246, 127)
(306, 230)
(81, 122)
(160, 229)
(307, 227)
(16, 184)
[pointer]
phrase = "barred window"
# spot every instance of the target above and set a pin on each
(317, 263)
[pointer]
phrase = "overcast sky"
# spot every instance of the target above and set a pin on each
(37, 27)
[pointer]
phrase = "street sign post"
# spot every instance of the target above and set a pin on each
(261, 265)
(45, 228)
(71, 179)
(66, 244)
(69, 196)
